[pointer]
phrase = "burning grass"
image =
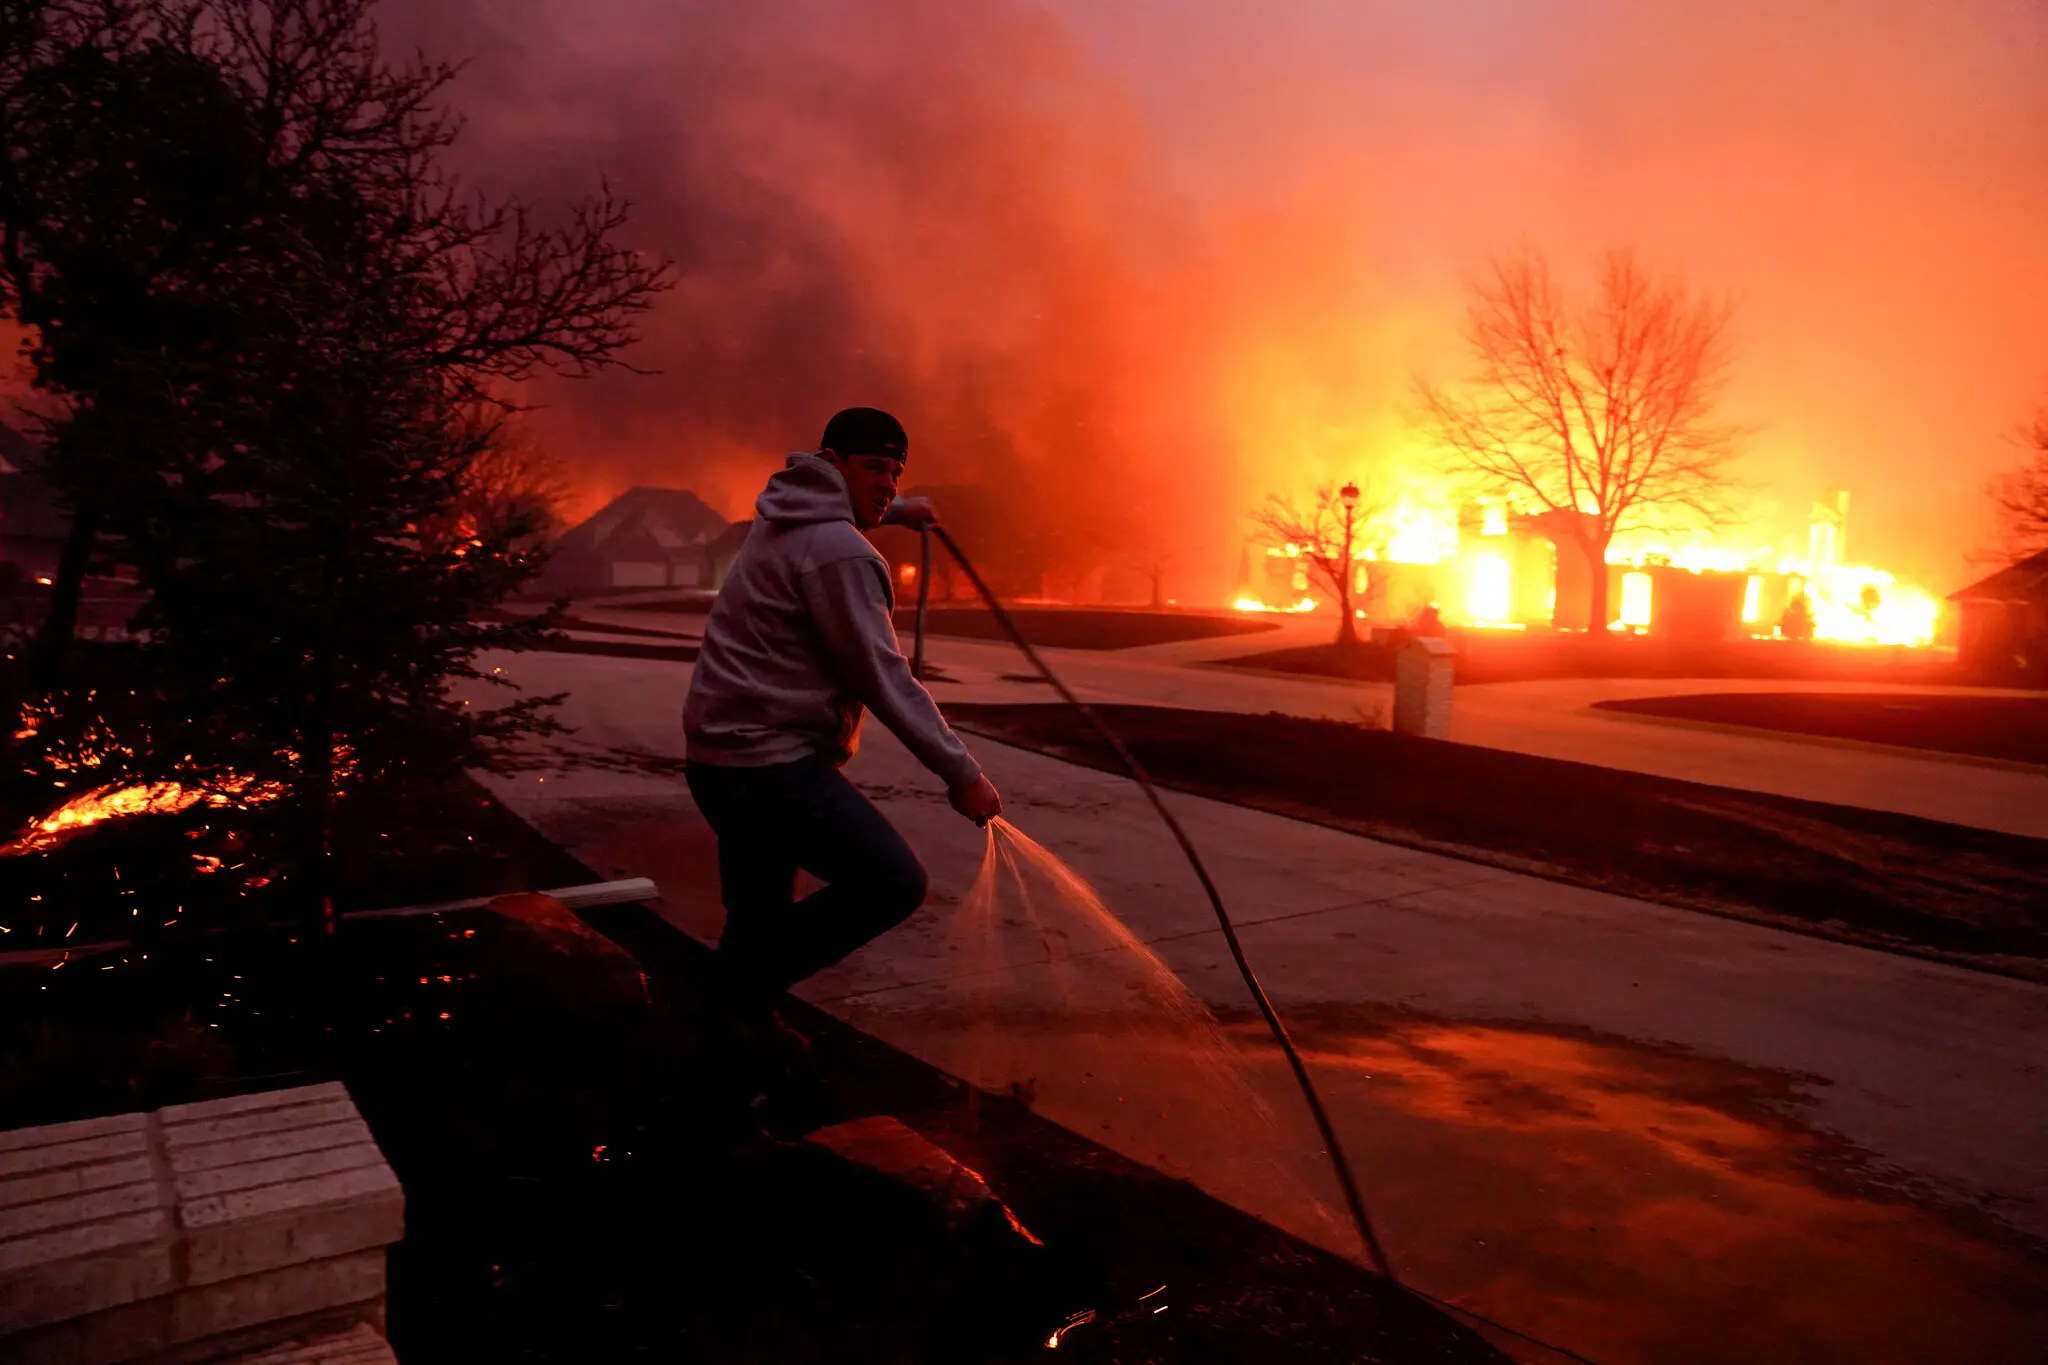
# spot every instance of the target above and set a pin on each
(1870, 877)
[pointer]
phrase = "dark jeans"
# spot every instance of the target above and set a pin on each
(770, 822)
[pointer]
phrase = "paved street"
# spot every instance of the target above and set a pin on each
(1648, 1135)
(1550, 719)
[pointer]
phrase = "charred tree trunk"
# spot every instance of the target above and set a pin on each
(60, 621)
(1601, 613)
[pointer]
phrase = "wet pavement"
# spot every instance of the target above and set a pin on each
(1645, 1134)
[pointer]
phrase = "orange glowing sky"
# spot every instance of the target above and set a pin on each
(1149, 260)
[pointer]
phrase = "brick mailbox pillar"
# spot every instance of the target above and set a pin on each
(199, 1232)
(1422, 687)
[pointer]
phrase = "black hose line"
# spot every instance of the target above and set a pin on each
(1338, 1161)
(1352, 1201)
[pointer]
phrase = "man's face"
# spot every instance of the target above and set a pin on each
(870, 484)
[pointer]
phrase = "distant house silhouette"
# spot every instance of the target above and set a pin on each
(644, 538)
(2004, 629)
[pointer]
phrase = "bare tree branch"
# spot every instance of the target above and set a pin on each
(2021, 498)
(1327, 536)
(1604, 410)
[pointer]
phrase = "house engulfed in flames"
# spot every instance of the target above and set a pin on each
(1488, 566)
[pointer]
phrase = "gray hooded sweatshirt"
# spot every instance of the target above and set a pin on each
(803, 637)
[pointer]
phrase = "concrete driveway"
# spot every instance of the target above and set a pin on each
(1647, 1135)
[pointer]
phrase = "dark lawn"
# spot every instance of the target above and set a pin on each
(1080, 627)
(1863, 876)
(2011, 727)
(583, 1183)
(1494, 656)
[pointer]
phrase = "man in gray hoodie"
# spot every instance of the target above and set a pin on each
(802, 641)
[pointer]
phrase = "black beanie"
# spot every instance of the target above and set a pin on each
(865, 431)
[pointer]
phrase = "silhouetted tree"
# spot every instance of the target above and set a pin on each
(1602, 407)
(1328, 534)
(285, 479)
(2021, 498)
(131, 170)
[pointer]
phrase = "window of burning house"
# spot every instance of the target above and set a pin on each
(1492, 597)
(1635, 600)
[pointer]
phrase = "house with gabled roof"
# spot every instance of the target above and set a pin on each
(2003, 634)
(643, 538)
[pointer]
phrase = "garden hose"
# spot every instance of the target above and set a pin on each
(1354, 1203)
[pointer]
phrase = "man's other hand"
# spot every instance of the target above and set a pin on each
(978, 801)
(915, 513)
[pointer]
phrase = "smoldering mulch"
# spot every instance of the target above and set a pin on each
(1973, 897)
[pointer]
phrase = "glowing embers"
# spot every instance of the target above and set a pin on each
(1080, 1319)
(1254, 604)
(116, 801)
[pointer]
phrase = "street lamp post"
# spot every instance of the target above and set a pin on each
(1347, 633)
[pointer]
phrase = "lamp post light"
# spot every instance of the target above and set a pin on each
(1347, 633)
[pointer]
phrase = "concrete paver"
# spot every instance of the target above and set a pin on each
(1648, 1134)
(200, 1228)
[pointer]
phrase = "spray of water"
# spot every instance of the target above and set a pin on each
(1082, 1019)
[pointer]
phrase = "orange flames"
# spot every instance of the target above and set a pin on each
(1477, 571)
(115, 801)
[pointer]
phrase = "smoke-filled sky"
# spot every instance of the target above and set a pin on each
(1143, 261)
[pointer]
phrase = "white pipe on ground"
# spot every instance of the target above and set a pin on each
(574, 897)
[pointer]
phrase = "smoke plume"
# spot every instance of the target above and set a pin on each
(1129, 266)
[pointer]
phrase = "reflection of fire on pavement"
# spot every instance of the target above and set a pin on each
(1616, 1198)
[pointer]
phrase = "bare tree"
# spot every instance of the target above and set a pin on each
(510, 485)
(1602, 410)
(1327, 535)
(2021, 498)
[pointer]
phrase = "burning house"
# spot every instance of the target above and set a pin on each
(644, 538)
(1487, 566)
